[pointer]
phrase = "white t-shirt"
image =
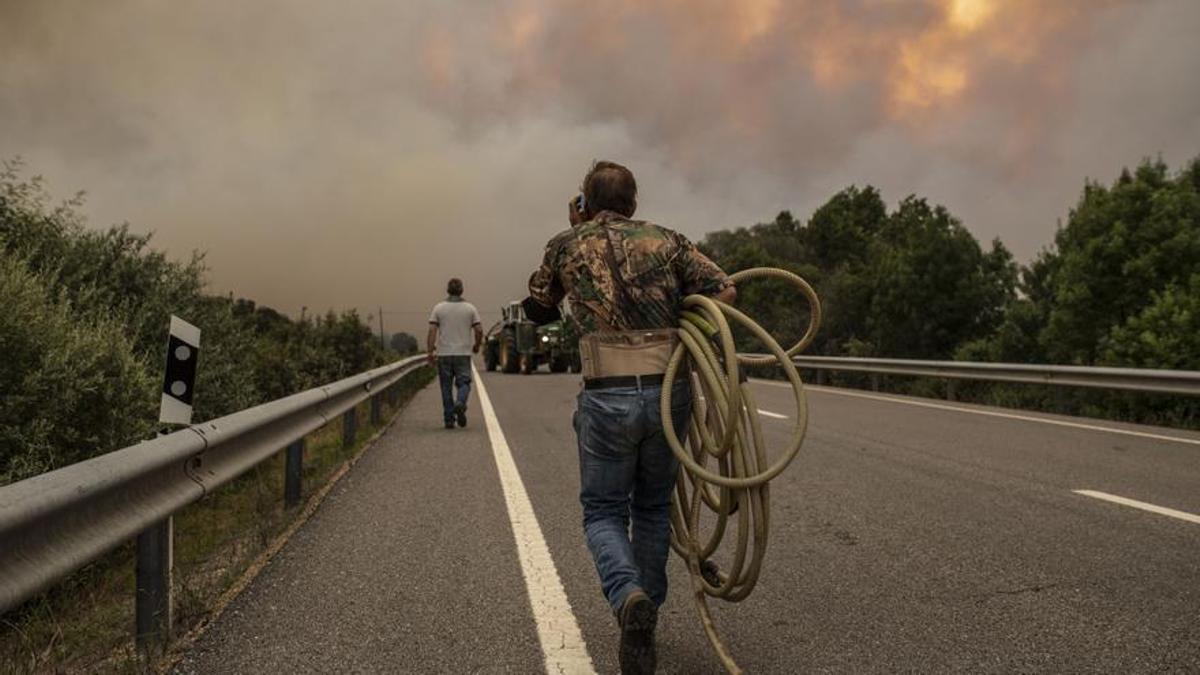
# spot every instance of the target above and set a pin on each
(455, 320)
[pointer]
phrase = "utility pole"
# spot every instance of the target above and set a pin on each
(381, 343)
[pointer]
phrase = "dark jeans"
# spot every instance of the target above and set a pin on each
(454, 372)
(627, 472)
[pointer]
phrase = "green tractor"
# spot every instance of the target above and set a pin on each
(517, 344)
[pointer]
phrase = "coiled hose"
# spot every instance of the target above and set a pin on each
(725, 466)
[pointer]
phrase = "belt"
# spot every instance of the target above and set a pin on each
(638, 381)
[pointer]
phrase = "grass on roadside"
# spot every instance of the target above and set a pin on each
(85, 623)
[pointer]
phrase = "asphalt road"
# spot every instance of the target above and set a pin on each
(910, 535)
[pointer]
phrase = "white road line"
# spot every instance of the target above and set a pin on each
(990, 413)
(558, 632)
(1125, 501)
(766, 413)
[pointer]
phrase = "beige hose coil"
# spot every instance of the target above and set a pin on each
(725, 462)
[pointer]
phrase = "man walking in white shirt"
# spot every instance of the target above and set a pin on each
(454, 334)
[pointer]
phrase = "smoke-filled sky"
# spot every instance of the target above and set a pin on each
(358, 153)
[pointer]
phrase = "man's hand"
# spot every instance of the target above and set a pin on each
(475, 349)
(431, 344)
(573, 214)
(727, 295)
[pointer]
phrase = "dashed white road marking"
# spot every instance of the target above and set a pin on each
(558, 632)
(1125, 501)
(764, 413)
(991, 413)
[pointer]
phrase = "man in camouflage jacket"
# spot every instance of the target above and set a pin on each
(622, 274)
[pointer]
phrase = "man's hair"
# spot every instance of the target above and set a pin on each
(608, 186)
(454, 286)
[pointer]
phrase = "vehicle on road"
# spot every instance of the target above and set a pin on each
(516, 344)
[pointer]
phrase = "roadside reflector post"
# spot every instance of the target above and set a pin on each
(349, 427)
(293, 473)
(155, 546)
(376, 409)
(153, 603)
(183, 353)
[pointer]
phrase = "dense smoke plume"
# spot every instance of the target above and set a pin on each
(360, 153)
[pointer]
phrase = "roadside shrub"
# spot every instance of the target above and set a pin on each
(69, 388)
(84, 330)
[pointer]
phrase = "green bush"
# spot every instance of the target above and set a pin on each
(63, 379)
(85, 329)
(1120, 286)
(913, 283)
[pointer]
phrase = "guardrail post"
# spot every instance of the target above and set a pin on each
(950, 390)
(293, 473)
(820, 377)
(349, 427)
(874, 381)
(153, 597)
(376, 409)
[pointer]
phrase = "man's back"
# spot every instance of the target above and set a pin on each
(623, 274)
(455, 319)
(625, 278)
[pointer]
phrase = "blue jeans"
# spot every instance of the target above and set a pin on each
(454, 371)
(627, 471)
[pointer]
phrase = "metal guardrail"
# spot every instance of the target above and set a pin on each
(1185, 382)
(54, 523)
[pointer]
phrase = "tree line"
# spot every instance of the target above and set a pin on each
(1118, 286)
(85, 311)
(83, 336)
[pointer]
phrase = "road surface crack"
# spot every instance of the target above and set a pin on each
(1034, 588)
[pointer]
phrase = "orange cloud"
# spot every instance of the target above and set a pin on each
(683, 74)
(438, 59)
(936, 68)
(967, 15)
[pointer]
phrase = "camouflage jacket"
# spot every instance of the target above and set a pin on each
(657, 269)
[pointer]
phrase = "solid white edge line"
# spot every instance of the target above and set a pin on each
(768, 413)
(558, 632)
(1125, 501)
(989, 413)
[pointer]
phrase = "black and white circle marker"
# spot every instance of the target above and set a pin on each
(183, 350)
